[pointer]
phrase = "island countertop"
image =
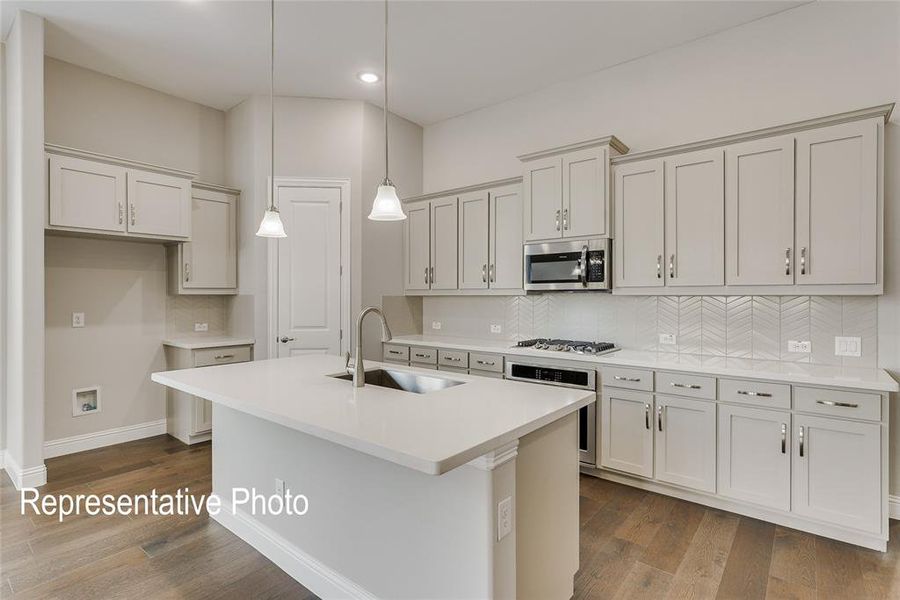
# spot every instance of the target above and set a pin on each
(433, 432)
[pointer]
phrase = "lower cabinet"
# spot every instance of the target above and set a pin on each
(686, 442)
(626, 436)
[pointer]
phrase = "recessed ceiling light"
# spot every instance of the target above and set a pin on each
(368, 77)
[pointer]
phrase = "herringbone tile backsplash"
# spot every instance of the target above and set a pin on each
(735, 326)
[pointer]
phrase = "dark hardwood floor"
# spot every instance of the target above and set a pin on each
(634, 544)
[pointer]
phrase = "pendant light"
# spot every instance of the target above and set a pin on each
(271, 225)
(386, 206)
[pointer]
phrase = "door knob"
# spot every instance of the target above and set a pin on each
(285, 339)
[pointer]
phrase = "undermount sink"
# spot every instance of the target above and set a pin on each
(402, 380)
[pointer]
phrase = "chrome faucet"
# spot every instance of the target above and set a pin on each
(359, 375)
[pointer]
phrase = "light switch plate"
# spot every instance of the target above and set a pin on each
(667, 338)
(504, 518)
(802, 347)
(201, 326)
(77, 319)
(496, 328)
(847, 346)
(435, 324)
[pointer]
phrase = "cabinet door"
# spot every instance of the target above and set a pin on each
(210, 258)
(639, 248)
(837, 472)
(505, 268)
(444, 240)
(626, 434)
(837, 204)
(542, 189)
(754, 456)
(759, 212)
(86, 194)
(158, 204)
(473, 240)
(417, 246)
(686, 442)
(585, 192)
(202, 416)
(695, 219)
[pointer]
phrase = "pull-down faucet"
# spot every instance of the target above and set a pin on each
(359, 376)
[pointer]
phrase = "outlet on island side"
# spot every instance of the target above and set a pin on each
(504, 518)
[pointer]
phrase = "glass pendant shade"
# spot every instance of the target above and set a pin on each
(271, 225)
(386, 206)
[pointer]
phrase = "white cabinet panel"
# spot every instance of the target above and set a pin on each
(444, 239)
(754, 456)
(759, 201)
(158, 204)
(473, 240)
(505, 269)
(417, 242)
(626, 437)
(86, 194)
(837, 204)
(695, 219)
(209, 260)
(686, 442)
(584, 188)
(639, 241)
(837, 472)
(542, 194)
(202, 417)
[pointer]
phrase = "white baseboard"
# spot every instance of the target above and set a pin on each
(107, 437)
(24, 478)
(894, 507)
(2, 459)
(316, 577)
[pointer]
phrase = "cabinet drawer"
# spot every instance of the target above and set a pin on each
(221, 356)
(490, 374)
(755, 393)
(486, 362)
(854, 405)
(634, 379)
(453, 369)
(396, 353)
(683, 384)
(453, 358)
(424, 356)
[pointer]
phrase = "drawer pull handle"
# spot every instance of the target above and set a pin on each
(419, 355)
(688, 386)
(224, 356)
(784, 438)
(659, 417)
(801, 441)
(647, 417)
(486, 362)
(396, 352)
(759, 394)
(841, 404)
(659, 266)
(452, 359)
(623, 378)
(787, 261)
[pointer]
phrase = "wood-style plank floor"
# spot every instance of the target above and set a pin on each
(634, 544)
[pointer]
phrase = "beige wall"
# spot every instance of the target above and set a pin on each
(2, 247)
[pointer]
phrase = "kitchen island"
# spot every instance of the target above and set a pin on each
(470, 491)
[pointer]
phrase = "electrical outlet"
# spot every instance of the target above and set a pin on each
(803, 347)
(435, 324)
(201, 326)
(667, 338)
(279, 487)
(495, 328)
(504, 518)
(847, 346)
(77, 319)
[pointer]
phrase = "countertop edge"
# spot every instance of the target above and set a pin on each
(200, 343)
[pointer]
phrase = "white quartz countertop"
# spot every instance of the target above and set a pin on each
(213, 341)
(433, 432)
(861, 378)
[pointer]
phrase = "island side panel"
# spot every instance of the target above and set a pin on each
(373, 527)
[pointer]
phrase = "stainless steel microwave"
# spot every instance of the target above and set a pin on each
(569, 265)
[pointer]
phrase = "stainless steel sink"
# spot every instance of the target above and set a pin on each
(403, 380)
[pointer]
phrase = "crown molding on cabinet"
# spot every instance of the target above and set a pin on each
(883, 110)
(214, 187)
(465, 189)
(117, 160)
(609, 140)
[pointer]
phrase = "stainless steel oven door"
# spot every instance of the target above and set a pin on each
(569, 265)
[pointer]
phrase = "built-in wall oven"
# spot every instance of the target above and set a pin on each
(569, 265)
(565, 376)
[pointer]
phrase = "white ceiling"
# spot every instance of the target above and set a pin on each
(447, 57)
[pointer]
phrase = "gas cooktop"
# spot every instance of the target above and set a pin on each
(578, 347)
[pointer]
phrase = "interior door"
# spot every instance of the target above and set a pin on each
(755, 456)
(759, 212)
(695, 219)
(626, 437)
(505, 268)
(417, 239)
(686, 442)
(211, 257)
(585, 198)
(640, 208)
(444, 240)
(473, 240)
(542, 189)
(309, 270)
(86, 194)
(837, 204)
(158, 204)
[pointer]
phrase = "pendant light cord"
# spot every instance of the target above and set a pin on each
(387, 179)
(272, 105)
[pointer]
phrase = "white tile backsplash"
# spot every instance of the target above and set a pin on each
(738, 326)
(183, 311)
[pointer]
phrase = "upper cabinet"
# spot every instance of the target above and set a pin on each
(566, 190)
(467, 241)
(796, 209)
(101, 195)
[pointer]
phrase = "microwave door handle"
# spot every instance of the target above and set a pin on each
(584, 265)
